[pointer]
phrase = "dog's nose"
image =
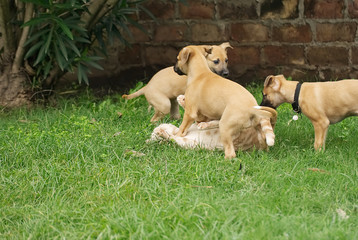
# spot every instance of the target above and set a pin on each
(226, 73)
(266, 104)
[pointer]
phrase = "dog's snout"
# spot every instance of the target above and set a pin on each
(225, 73)
(267, 103)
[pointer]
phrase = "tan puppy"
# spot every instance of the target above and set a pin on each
(210, 96)
(324, 103)
(206, 134)
(162, 90)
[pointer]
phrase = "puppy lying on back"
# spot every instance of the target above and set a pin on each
(166, 85)
(206, 134)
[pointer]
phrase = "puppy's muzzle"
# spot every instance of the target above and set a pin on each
(224, 73)
(177, 70)
(266, 103)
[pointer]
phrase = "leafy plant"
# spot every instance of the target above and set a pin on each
(61, 37)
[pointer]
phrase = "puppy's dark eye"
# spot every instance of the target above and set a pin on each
(216, 61)
(226, 60)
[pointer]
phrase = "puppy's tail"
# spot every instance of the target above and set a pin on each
(135, 94)
(267, 123)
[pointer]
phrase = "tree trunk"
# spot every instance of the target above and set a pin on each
(13, 86)
(14, 89)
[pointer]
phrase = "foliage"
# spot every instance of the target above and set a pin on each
(70, 171)
(59, 37)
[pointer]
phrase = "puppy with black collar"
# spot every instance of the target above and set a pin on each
(324, 103)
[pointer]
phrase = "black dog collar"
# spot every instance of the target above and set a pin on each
(295, 105)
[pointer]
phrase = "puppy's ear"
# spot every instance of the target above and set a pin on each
(268, 80)
(272, 81)
(208, 50)
(226, 45)
(184, 54)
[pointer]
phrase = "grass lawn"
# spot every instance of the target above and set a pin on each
(79, 171)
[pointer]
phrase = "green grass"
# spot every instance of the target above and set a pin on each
(70, 172)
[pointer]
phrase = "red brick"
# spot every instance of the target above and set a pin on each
(129, 56)
(292, 33)
(355, 55)
(170, 33)
(160, 9)
(299, 73)
(244, 56)
(337, 73)
(283, 55)
(323, 56)
(249, 32)
(138, 36)
(202, 32)
(161, 55)
(282, 9)
(353, 9)
(197, 10)
(326, 9)
(331, 32)
(353, 73)
(237, 9)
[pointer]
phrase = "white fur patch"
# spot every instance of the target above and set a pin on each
(270, 139)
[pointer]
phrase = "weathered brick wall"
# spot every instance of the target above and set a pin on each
(305, 39)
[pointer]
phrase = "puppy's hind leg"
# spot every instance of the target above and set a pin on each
(226, 134)
(320, 130)
(157, 116)
(161, 106)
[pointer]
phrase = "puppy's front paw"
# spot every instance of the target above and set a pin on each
(203, 125)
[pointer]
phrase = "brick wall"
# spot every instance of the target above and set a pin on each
(305, 39)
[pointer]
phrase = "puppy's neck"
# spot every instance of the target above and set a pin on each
(288, 90)
(197, 66)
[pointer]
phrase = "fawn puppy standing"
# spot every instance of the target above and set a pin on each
(166, 85)
(324, 103)
(210, 96)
